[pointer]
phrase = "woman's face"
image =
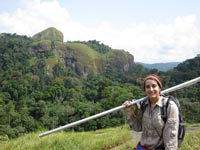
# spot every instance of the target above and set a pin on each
(152, 89)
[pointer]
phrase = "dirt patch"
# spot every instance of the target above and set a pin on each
(116, 146)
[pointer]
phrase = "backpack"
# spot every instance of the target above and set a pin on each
(181, 128)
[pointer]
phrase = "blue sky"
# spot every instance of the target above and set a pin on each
(152, 30)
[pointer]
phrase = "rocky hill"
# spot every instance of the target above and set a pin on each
(79, 56)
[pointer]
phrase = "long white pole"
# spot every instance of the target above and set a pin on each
(174, 88)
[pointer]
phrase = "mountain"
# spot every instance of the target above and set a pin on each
(161, 66)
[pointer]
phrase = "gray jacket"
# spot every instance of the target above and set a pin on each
(155, 131)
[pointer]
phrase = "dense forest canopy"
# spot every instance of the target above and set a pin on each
(38, 91)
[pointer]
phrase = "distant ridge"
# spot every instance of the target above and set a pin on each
(160, 66)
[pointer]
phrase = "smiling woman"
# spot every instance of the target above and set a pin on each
(157, 134)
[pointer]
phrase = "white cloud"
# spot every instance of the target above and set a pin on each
(149, 43)
(36, 16)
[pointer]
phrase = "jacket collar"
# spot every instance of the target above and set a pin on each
(159, 102)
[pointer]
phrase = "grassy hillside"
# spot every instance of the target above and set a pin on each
(94, 140)
(113, 138)
(85, 56)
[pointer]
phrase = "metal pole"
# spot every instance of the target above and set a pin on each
(180, 86)
(174, 88)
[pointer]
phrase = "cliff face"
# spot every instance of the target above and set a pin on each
(80, 57)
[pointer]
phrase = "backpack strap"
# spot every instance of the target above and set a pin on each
(165, 102)
(143, 105)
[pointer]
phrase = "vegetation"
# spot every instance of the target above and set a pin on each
(118, 138)
(45, 84)
(101, 48)
(100, 139)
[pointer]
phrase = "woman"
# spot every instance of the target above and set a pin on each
(156, 134)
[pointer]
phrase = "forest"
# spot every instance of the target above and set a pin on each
(34, 97)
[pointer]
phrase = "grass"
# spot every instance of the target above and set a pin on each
(191, 141)
(118, 138)
(94, 140)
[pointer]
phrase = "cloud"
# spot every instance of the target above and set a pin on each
(148, 43)
(177, 41)
(36, 16)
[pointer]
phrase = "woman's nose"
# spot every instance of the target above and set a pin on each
(150, 88)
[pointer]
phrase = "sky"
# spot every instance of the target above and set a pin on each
(153, 31)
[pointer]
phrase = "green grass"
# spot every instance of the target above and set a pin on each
(94, 140)
(191, 141)
(118, 138)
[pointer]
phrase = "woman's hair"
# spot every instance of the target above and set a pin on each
(154, 77)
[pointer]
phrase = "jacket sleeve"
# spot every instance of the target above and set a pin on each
(170, 132)
(135, 118)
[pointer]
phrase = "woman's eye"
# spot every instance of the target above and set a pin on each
(154, 86)
(147, 86)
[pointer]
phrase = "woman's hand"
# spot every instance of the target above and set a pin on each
(127, 104)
